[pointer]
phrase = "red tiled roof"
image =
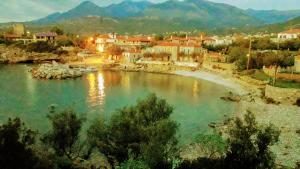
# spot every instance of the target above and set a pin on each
(139, 39)
(11, 36)
(292, 31)
(185, 38)
(167, 44)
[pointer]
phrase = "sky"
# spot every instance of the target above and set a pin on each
(26, 10)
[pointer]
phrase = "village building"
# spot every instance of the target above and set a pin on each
(105, 41)
(188, 52)
(217, 41)
(184, 40)
(132, 56)
(17, 32)
(47, 36)
(170, 49)
(126, 41)
(12, 37)
(289, 34)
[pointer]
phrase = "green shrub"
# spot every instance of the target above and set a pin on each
(40, 47)
(298, 102)
(145, 130)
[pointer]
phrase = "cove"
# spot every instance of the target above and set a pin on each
(196, 102)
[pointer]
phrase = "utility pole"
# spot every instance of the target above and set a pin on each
(276, 65)
(249, 54)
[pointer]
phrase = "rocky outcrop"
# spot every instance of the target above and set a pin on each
(54, 71)
(17, 55)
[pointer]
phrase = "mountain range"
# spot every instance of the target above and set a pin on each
(172, 15)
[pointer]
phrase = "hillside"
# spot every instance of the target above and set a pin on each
(273, 16)
(132, 16)
(173, 15)
(294, 23)
(201, 12)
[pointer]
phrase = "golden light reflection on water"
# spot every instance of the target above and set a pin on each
(96, 89)
(101, 88)
(31, 88)
(125, 81)
(196, 88)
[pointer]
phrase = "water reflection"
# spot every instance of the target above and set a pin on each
(96, 92)
(101, 88)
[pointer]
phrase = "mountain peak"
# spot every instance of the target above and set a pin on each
(87, 4)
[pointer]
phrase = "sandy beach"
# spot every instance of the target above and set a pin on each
(285, 117)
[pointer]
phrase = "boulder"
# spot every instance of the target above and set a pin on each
(54, 71)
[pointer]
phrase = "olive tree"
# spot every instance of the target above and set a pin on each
(145, 130)
(64, 134)
(249, 144)
(16, 143)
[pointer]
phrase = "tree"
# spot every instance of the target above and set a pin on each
(144, 130)
(235, 53)
(57, 30)
(159, 37)
(249, 144)
(133, 164)
(16, 146)
(211, 146)
(64, 135)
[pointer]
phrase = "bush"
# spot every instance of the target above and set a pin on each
(298, 102)
(65, 43)
(212, 146)
(60, 52)
(16, 146)
(63, 138)
(40, 47)
(144, 130)
(249, 145)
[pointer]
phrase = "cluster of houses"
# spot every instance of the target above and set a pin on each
(19, 33)
(187, 49)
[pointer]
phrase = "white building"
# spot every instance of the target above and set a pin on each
(103, 41)
(132, 56)
(217, 41)
(289, 34)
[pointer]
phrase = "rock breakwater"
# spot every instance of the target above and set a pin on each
(54, 71)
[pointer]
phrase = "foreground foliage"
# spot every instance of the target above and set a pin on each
(248, 147)
(144, 130)
(137, 137)
(16, 146)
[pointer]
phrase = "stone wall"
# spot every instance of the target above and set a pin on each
(282, 95)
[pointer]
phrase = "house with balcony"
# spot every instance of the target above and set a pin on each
(45, 36)
(289, 34)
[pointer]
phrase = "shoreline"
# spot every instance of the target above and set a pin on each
(214, 78)
(285, 117)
